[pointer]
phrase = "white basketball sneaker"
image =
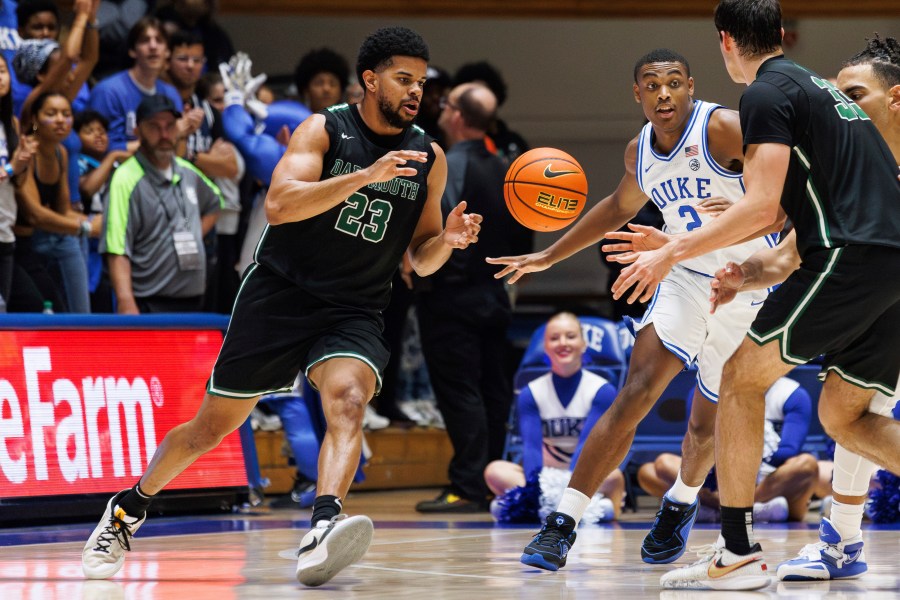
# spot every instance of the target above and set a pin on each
(830, 558)
(331, 546)
(720, 569)
(104, 553)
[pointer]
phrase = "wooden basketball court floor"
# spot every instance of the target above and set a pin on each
(251, 556)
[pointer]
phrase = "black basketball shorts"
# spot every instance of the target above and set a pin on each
(278, 330)
(843, 303)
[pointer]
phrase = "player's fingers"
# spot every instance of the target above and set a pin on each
(516, 276)
(460, 208)
(621, 235)
(476, 218)
(406, 171)
(502, 260)
(617, 248)
(641, 229)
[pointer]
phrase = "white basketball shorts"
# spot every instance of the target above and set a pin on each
(680, 314)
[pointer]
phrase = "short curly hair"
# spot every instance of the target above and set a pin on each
(321, 60)
(377, 49)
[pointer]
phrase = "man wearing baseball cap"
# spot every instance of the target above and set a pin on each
(159, 209)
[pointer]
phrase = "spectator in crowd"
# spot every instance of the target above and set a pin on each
(12, 160)
(39, 20)
(211, 89)
(95, 166)
(436, 87)
(321, 77)
(118, 96)
(216, 158)
(196, 16)
(556, 412)
(9, 35)
(44, 199)
(787, 476)
(115, 18)
(505, 142)
(41, 65)
(159, 208)
(464, 311)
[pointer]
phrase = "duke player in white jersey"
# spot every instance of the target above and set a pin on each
(688, 153)
(556, 413)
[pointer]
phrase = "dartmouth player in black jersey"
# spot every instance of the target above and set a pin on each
(814, 151)
(357, 187)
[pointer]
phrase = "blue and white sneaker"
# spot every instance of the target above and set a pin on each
(830, 558)
(667, 539)
(549, 548)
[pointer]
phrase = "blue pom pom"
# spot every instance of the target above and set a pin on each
(883, 505)
(520, 504)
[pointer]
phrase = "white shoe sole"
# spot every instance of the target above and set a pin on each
(347, 543)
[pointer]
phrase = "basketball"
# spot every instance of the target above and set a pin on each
(545, 189)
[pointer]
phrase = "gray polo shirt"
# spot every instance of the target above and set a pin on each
(144, 210)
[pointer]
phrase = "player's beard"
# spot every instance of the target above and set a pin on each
(392, 114)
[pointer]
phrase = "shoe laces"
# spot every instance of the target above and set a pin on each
(704, 552)
(666, 522)
(551, 535)
(116, 530)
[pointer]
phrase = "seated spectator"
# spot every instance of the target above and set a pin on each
(321, 77)
(45, 202)
(556, 413)
(787, 476)
(118, 96)
(159, 208)
(95, 166)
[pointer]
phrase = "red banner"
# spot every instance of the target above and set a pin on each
(83, 411)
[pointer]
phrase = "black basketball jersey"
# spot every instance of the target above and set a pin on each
(348, 254)
(841, 186)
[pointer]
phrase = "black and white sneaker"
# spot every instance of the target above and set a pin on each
(331, 546)
(104, 553)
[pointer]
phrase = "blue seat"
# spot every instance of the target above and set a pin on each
(604, 356)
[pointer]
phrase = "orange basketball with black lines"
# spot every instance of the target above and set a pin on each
(545, 189)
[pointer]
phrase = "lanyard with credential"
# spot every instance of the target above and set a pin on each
(186, 247)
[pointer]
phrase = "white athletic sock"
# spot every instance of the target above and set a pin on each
(573, 503)
(683, 493)
(847, 518)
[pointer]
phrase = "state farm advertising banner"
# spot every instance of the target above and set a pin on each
(83, 411)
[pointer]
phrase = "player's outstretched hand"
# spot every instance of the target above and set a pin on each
(725, 285)
(713, 206)
(641, 238)
(461, 228)
(241, 86)
(643, 274)
(391, 165)
(519, 265)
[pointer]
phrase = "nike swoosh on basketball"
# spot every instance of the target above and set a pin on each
(716, 569)
(550, 174)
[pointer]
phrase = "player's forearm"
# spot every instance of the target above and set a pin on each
(430, 255)
(589, 230)
(291, 200)
(771, 266)
(743, 220)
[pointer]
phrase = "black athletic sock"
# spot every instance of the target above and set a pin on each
(135, 502)
(737, 529)
(325, 508)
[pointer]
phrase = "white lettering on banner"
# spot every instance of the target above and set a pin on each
(78, 436)
(15, 470)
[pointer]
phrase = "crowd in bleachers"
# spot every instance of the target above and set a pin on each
(74, 236)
